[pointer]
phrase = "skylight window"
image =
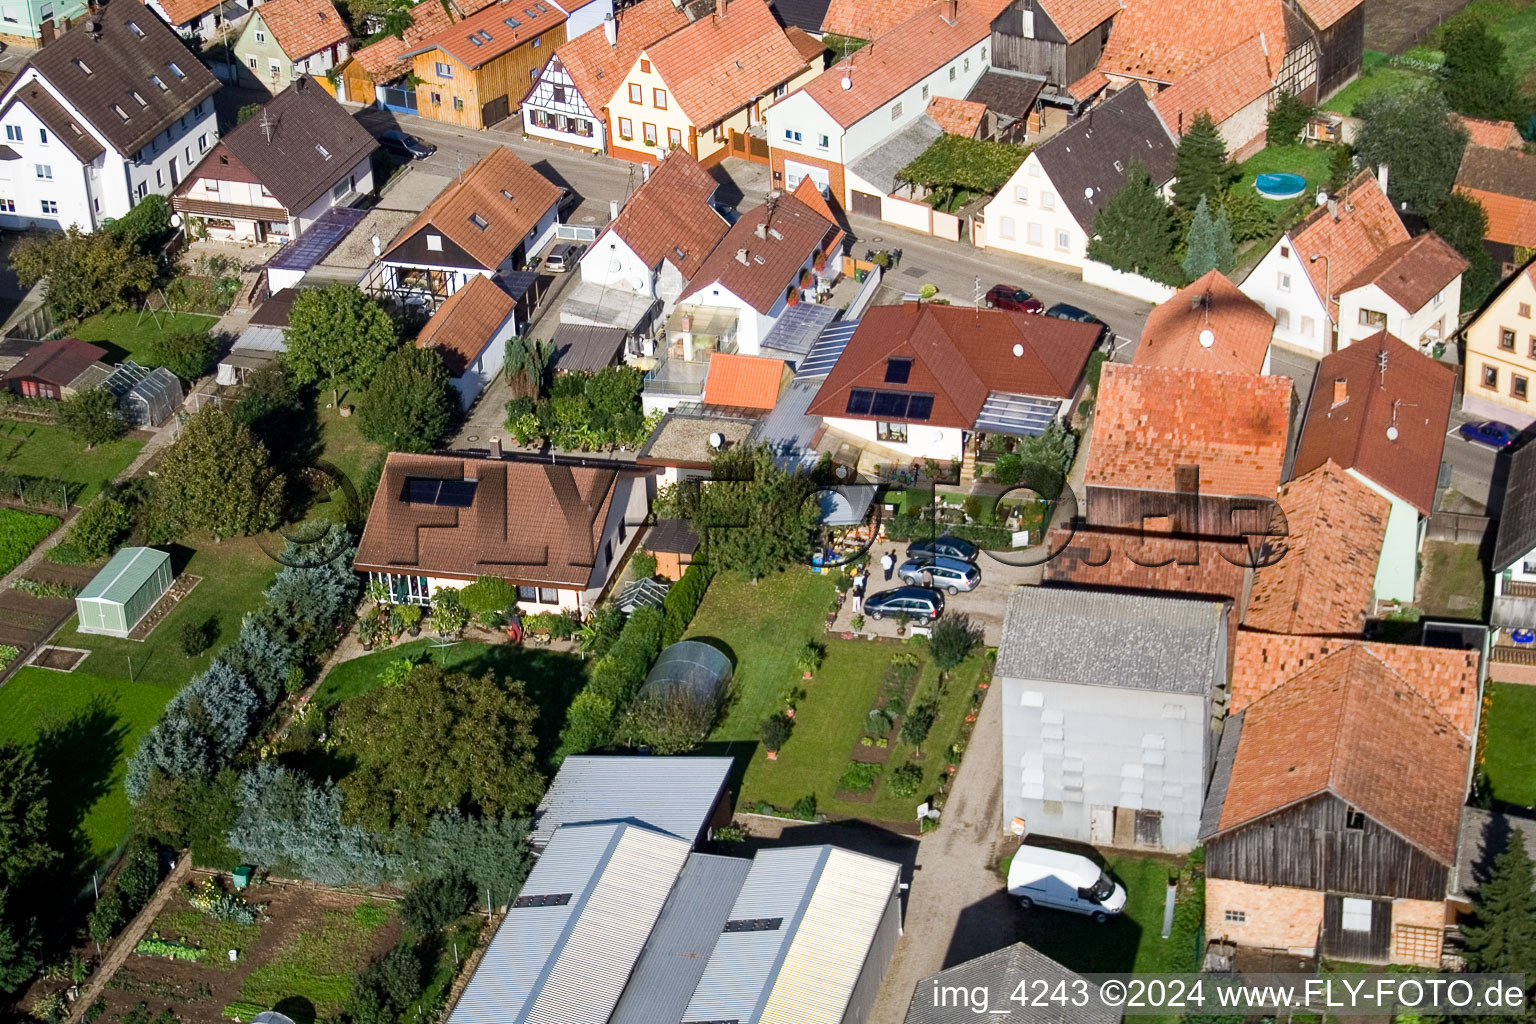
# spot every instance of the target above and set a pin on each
(159, 82)
(133, 27)
(322, 151)
(506, 193)
(479, 221)
(176, 70)
(119, 111)
(475, 40)
(485, 35)
(140, 100)
(82, 65)
(511, 22)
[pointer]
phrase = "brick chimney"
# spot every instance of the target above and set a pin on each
(1340, 391)
(495, 447)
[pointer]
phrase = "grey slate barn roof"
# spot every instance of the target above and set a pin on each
(998, 974)
(674, 795)
(1517, 520)
(1011, 93)
(880, 165)
(1111, 639)
(804, 14)
(1094, 151)
(132, 48)
(1221, 778)
(680, 944)
(584, 347)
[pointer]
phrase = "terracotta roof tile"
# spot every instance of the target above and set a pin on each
(1444, 677)
(1088, 86)
(1221, 88)
(746, 382)
(759, 267)
(1353, 725)
(597, 69)
(1493, 134)
(957, 117)
(899, 58)
(1162, 42)
(1411, 272)
(1504, 181)
(810, 49)
(1150, 420)
(1076, 18)
(1089, 556)
(518, 525)
(861, 19)
(466, 322)
(809, 193)
(719, 65)
(1321, 574)
(1355, 403)
(466, 40)
(1360, 228)
(180, 12)
(959, 356)
(669, 216)
(1241, 329)
(303, 27)
(385, 60)
(489, 210)
(1325, 12)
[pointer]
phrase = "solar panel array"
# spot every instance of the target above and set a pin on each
(315, 244)
(827, 349)
(442, 493)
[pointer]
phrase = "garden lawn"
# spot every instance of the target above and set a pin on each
(1452, 580)
(342, 442)
(1509, 756)
(35, 449)
(128, 335)
(84, 729)
(234, 574)
(1311, 162)
(318, 964)
(550, 678)
(20, 532)
(1376, 77)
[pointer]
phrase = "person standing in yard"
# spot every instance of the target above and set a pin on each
(927, 577)
(888, 564)
(858, 593)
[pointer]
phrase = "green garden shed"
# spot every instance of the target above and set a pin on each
(119, 596)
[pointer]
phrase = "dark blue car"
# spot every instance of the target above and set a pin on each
(1491, 433)
(942, 547)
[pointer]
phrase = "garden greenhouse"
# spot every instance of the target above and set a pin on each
(693, 664)
(145, 397)
(119, 596)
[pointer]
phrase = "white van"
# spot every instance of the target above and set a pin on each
(1066, 881)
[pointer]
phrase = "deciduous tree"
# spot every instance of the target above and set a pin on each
(410, 406)
(189, 354)
(100, 526)
(83, 272)
(1412, 133)
(1462, 222)
(215, 478)
(337, 336)
(92, 416)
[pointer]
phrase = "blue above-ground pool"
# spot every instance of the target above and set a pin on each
(1280, 185)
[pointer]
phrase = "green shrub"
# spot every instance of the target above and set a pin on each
(917, 723)
(93, 417)
(434, 903)
(906, 781)
(174, 950)
(620, 672)
(100, 527)
(488, 594)
(805, 808)
(588, 723)
(189, 354)
(860, 777)
(106, 917)
(682, 602)
(196, 637)
(954, 638)
(775, 731)
(644, 564)
(140, 874)
(8, 654)
(1008, 469)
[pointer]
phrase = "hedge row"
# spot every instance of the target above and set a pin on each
(988, 538)
(683, 601)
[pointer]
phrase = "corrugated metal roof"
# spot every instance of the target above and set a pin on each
(568, 962)
(122, 577)
(1071, 635)
(671, 794)
(998, 974)
(831, 902)
(682, 940)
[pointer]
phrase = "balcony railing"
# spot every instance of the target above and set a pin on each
(1514, 589)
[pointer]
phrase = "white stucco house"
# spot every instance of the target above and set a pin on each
(470, 331)
(107, 113)
(1047, 209)
(1379, 410)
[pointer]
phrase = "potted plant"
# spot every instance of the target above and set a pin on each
(792, 696)
(902, 618)
(775, 732)
(394, 621)
(410, 616)
(856, 623)
(368, 631)
(810, 657)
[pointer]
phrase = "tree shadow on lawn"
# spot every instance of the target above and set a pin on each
(551, 680)
(79, 754)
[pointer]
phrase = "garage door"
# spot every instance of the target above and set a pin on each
(499, 109)
(866, 204)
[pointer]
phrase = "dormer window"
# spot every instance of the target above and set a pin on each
(479, 221)
(82, 65)
(119, 111)
(159, 82)
(133, 27)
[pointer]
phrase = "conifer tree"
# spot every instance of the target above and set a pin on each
(1200, 165)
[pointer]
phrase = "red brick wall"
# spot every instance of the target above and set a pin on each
(1276, 916)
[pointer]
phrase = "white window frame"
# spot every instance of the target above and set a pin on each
(1354, 914)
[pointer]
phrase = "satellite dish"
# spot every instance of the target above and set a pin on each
(1391, 433)
(1088, 192)
(847, 83)
(841, 472)
(717, 441)
(175, 220)
(1018, 350)
(1207, 338)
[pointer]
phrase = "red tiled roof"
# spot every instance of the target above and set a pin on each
(1493, 134)
(520, 524)
(669, 216)
(900, 58)
(959, 356)
(1150, 420)
(1446, 678)
(1325, 12)
(466, 322)
(809, 193)
(806, 45)
(1504, 181)
(1163, 42)
(1320, 576)
(58, 362)
(1076, 18)
(180, 12)
(385, 60)
(489, 210)
(597, 69)
(303, 27)
(860, 19)
(1221, 88)
(763, 253)
(957, 117)
(466, 40)
(1241, 329)
(746, 382)
(1361, 226)
(1088, 86)
(1355, 404)
(1088, 556)
(719, 65)
(1411, 272)
(1353, 725)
